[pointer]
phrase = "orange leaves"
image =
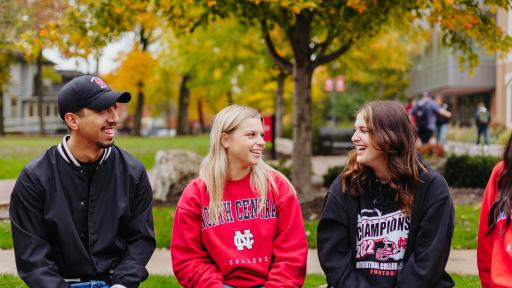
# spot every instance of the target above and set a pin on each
(359, 5)
(44, 32)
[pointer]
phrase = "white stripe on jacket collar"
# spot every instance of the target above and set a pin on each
(68, 156)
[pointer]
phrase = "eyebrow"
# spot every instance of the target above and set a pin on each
(254, 131)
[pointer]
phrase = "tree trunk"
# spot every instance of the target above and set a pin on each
(230, 98)
(279, 110)
(38, 83)
(97, 57)
(143, 41)
(201, 115)
(139, 108)
(302, 117)
(301, 171)
(183, 104)
(2, 130)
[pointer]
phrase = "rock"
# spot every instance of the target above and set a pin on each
(284, 146)
(172, 171)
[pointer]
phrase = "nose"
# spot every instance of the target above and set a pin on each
(355, 137)
(260, 140)
(113, 115)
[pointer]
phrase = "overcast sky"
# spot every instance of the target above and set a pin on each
(107, 60)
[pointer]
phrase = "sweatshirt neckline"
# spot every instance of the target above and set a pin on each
(241, 180)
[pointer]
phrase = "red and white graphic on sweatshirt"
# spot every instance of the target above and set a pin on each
(381, 241)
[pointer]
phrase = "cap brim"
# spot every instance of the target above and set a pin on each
(108, 99)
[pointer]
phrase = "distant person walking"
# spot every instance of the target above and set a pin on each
(425, 112)
(482, 119)
(388, 219)
(441, 121)
(494, 247)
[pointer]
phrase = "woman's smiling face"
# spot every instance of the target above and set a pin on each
(367, 153)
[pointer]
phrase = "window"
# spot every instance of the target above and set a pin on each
(14, 107)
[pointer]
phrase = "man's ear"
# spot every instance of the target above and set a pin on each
(224, 137)
(71, 120)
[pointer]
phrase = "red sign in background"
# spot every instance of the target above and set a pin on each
(267, 128)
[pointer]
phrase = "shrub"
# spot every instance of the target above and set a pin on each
(469, 171)
(503, 137)
(331, 174)
(431, 150)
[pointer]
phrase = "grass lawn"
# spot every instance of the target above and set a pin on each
(466, 228)
(5, 235)
(157, 281)
(163, 218)
(17, 151)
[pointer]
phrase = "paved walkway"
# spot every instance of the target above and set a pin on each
(462, 262)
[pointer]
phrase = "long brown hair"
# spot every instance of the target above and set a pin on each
(391, 131)
(502, 204)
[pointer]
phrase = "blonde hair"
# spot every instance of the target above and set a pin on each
(214, 167)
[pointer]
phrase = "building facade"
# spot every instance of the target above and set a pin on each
(21, 113)
(503, 109)
(438, 71)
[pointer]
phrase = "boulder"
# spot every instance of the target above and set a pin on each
(284, 146)
(172, 171)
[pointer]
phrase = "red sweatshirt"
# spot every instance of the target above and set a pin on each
(248, 247)
(494, 252)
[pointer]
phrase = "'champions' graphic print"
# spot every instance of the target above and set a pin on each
(381, 241)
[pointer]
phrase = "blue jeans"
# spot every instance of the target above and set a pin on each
(90, 284)
(441, 133)
(483, 130)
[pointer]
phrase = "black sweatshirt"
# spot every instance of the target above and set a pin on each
(368, 241)
(68, 225)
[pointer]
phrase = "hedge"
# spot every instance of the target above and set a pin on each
(469, 171)
(331, 174)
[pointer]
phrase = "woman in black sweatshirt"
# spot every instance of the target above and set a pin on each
(387, 219)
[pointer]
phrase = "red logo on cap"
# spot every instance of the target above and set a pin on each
(99, 82)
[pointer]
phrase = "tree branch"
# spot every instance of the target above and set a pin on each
(322, 47)
(280, 61)
(330, 57)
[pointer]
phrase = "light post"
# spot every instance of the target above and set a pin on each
(334, 85)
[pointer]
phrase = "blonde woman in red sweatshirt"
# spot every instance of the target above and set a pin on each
(494, 251)
(239, 223)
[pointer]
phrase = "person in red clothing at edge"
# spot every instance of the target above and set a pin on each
(494, 249)
(388, 219)
(238, 224)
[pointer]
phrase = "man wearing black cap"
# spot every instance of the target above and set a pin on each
(81, 212)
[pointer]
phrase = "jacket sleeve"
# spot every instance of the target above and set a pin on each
(426, 264)
(334, 245)
(140, 237)
(289, 248)
(33, 252)
(485, 242)
(191, 262)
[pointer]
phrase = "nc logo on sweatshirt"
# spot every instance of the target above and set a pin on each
(243, 240)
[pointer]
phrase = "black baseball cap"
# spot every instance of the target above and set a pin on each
(88, 91)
